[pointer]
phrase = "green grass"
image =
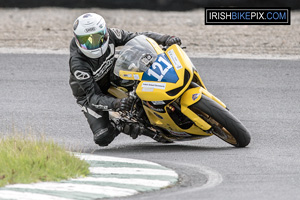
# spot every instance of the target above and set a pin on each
(28, 159)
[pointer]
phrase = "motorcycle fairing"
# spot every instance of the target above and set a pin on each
(164, 120)
(161, 70)
(188, 99)
(161, 91)
(164, 90)
(168, 90)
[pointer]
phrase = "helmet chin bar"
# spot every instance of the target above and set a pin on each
(91, 54)
(96, 53)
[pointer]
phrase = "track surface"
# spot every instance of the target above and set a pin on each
(263, 94)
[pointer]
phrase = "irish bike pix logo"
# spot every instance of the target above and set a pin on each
(247, 16)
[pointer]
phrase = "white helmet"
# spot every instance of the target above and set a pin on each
(91, 35)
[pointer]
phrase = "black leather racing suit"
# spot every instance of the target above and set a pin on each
(90, 79)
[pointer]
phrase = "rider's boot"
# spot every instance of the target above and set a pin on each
(132, 129)
(155, 136)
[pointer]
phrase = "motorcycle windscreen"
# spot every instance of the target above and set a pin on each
(135, 56)
(161, 70)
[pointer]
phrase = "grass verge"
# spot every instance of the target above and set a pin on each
(28, 159)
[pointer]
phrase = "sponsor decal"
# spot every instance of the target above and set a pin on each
(136, 77)
(90, 29)
(154, 85)
(100, 107)
(158, 103)
(101, 132)
(81, 75)
(174, 59)
(91, 112)
(104, 69)
(101, 25)
(106, 65)
(195, 96)
(147, 89)
(117, 33)
(127, 75)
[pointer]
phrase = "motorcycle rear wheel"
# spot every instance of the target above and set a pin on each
(224, 124)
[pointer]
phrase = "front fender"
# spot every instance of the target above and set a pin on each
(192, 96)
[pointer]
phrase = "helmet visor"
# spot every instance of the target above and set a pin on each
(92, 41)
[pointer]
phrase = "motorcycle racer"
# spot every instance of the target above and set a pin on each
(91, 62)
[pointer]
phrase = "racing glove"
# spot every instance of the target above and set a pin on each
(123, 104)
(173, 40)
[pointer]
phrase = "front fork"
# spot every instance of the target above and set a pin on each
(192, 96)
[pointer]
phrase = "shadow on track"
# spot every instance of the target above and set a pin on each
(157, 147)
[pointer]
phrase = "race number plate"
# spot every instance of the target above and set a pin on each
(161, 70)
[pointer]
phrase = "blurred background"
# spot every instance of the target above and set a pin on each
(42, 25)
(178, 5)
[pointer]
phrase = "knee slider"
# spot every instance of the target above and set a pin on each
(105, 136)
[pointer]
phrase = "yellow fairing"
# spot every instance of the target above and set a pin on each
(197, 79)
(187, 97)
(164, 120)
(192, 96)
(118, 92)
(155, 46)
(150, 91)
(157, 91)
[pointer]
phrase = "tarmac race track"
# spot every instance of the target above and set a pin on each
(263, 94)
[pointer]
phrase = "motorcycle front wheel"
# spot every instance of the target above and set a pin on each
(224, 124)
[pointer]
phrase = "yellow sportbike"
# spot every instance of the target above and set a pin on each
(171, 100)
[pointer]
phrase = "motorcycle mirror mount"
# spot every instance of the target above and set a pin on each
(147, 59)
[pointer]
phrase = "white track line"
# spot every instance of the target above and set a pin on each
(6, 194)
(214, 178)
(69, 187)
(135, 171)
(128, 181)
(114, 159)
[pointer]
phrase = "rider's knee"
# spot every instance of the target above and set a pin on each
(104, 136)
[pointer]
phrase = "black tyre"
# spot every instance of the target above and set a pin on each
(224, 124)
